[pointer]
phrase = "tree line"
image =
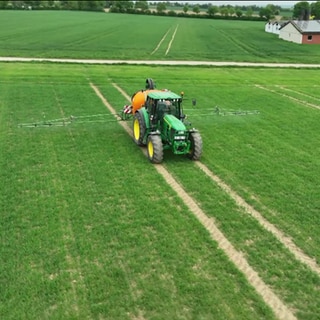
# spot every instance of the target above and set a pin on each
(301, 10)
(85, 5)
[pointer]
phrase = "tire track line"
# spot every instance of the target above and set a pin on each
(159, 44)
(304, 103)
(271, 299)
(281, 237)
(170, 43)
(285, 240)
(74, 270)
(236, 257)
(297, 92)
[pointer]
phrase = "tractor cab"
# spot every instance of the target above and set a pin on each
(162, 103)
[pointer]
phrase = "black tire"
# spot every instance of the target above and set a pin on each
(139, 128)
(150, 84)
(196, 146)
(155, 149)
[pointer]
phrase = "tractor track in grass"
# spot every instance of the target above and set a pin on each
(171, 41)
(281, 310)
(302, 102)
(298, 92)
(160, 42)
(285, 240)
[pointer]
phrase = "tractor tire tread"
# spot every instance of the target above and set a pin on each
(196, 146)
(142, 128)
(157, 156)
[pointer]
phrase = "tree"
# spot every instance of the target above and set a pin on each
(3, 4)
(249, 12)
(185, 8)
(301, 10)
(196, 9)
(265, 13)
(123, 5)
(224, 11)
(274, 9)
(161, 6)
(94, 5)
(231, 11)
(143, 5)
(315, 10)
(212, 10)
(239, 13)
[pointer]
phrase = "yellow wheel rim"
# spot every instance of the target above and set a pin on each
(150, 149)
(136, 129)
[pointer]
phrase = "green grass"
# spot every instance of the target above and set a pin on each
(84, 229)
(121, 36)
(271, 159)
(89, 229)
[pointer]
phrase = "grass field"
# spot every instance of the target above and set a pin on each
(121, 36)
(91, 230)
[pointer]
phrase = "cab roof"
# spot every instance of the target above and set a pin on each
(163, 95)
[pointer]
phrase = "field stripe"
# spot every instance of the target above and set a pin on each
(305, 103)
(285, 240)
(108, 105)
(170, 43)
(74, 270)
(159, 44)
(270, 298)
(300, 93)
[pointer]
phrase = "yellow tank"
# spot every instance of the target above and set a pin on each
(139, 98)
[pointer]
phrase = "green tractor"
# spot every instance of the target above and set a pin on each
(159, 124)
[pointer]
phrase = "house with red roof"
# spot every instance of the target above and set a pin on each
(301, 31)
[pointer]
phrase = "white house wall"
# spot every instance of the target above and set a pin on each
(268, 27)
(275, 28)
(290, 33)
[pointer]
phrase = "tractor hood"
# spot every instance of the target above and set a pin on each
(174, 123)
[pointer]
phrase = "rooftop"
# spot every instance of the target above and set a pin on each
(307, 25)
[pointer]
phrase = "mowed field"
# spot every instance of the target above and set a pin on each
(91, 229)
(125, 36)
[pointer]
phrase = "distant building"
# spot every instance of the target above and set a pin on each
(301, 31)
(273, 26)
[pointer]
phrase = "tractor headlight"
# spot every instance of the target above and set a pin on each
(180, 138)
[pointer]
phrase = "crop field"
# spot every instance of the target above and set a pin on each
(123, 36)
(91, 230)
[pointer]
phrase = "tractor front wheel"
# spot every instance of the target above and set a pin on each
(139, 128)
(196, 146)
(155, 149)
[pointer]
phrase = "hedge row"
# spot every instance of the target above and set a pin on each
(185, 15)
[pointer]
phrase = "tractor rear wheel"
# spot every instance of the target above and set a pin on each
(139, 128)
(155, 149)
(196, 146)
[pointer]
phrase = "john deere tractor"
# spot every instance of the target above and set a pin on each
(159, 124)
